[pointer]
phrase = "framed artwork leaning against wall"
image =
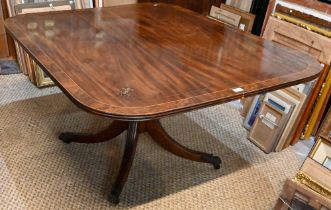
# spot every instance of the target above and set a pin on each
(246, 19)
(19, 7)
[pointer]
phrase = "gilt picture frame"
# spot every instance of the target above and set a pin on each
(315, 172)
(42, 79)
(315, 176)
(298, 196)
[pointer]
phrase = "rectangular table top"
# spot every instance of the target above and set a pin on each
(146, 61)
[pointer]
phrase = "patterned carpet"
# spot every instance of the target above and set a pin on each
(37, 171)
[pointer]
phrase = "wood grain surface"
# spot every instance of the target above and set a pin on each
(200, 6)
(145, 61)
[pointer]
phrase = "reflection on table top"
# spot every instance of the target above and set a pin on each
(150, 60)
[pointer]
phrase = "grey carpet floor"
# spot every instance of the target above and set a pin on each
(37, 171)
(9, 67)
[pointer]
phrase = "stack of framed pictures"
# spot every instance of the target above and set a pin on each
(272, 117)
(233, 16)
(297, 97)
(288, 26)
(320, 107)
(18, 7)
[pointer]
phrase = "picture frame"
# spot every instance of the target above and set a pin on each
(296, 195)
(19, 51)
(42, 79)
(10, 7)
(315, 176)
(246, 104)
(252, 113)
(246, 19)
(321, 153)
(297, 98)
(78, 4)
(325, 131)
(30, 68)
(244, 5)
(26, 8)
(268, 126)
(319, 107)
(315, 172)
(111, 3)
(279, 101)
(20, 58)
(224, 16)
(327, 162)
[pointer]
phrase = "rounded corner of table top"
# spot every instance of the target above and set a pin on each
(314, 66)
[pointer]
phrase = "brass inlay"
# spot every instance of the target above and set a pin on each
(126, 91)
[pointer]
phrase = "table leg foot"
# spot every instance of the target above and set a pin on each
(214, 160)
(160, 136)
(127, 160)
(113, 198)
(70, 137)
(114, 129)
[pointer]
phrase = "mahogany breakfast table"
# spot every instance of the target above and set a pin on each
(139, 63)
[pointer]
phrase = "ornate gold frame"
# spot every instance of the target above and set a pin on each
(304, 179)
(41, 78)
(303, 24)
